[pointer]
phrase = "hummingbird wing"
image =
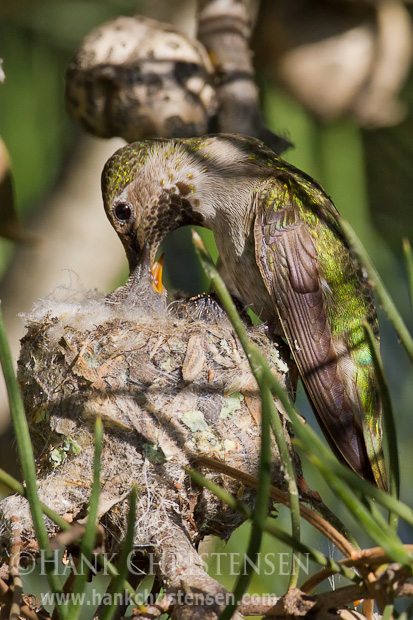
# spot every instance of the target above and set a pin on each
(289, 261)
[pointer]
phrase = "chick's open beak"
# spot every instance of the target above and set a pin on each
(157, 273)
(143, 268)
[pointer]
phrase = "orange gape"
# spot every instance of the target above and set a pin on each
(157, 273)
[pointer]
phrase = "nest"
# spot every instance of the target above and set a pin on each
(171, 384)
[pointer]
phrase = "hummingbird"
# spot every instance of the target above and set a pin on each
(282, 252)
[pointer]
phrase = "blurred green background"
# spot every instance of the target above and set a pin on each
(368, 173)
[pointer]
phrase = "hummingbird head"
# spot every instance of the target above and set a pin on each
(153, 187)
(148, 191)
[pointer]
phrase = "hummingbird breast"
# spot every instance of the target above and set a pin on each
(245, 279)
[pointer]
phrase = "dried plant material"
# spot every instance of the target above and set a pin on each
(254, 405)
(194, 359)
(88, 356)
(224, 28)
(135, 77)
(164, 388)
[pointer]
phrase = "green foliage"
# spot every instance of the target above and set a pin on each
(87, 544)
(344, 486)
(117, 583)
(359, 497)
(37, 41)
(27, 461)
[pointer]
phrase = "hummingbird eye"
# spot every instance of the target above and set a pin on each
(123, 211)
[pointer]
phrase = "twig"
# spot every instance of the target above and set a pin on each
(224, 28)
(17, 487)
(68, 537)
(371, 520)
(371, 556)
(17, 584)
(339, 597)
(269, 605)
(273, 529)
(375, 556)
(154, 611)
(6, 598)
(195, 594)
(282, 497)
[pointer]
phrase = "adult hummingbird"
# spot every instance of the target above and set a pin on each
(282, 252)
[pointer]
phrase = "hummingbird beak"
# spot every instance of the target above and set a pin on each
(157, 270)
